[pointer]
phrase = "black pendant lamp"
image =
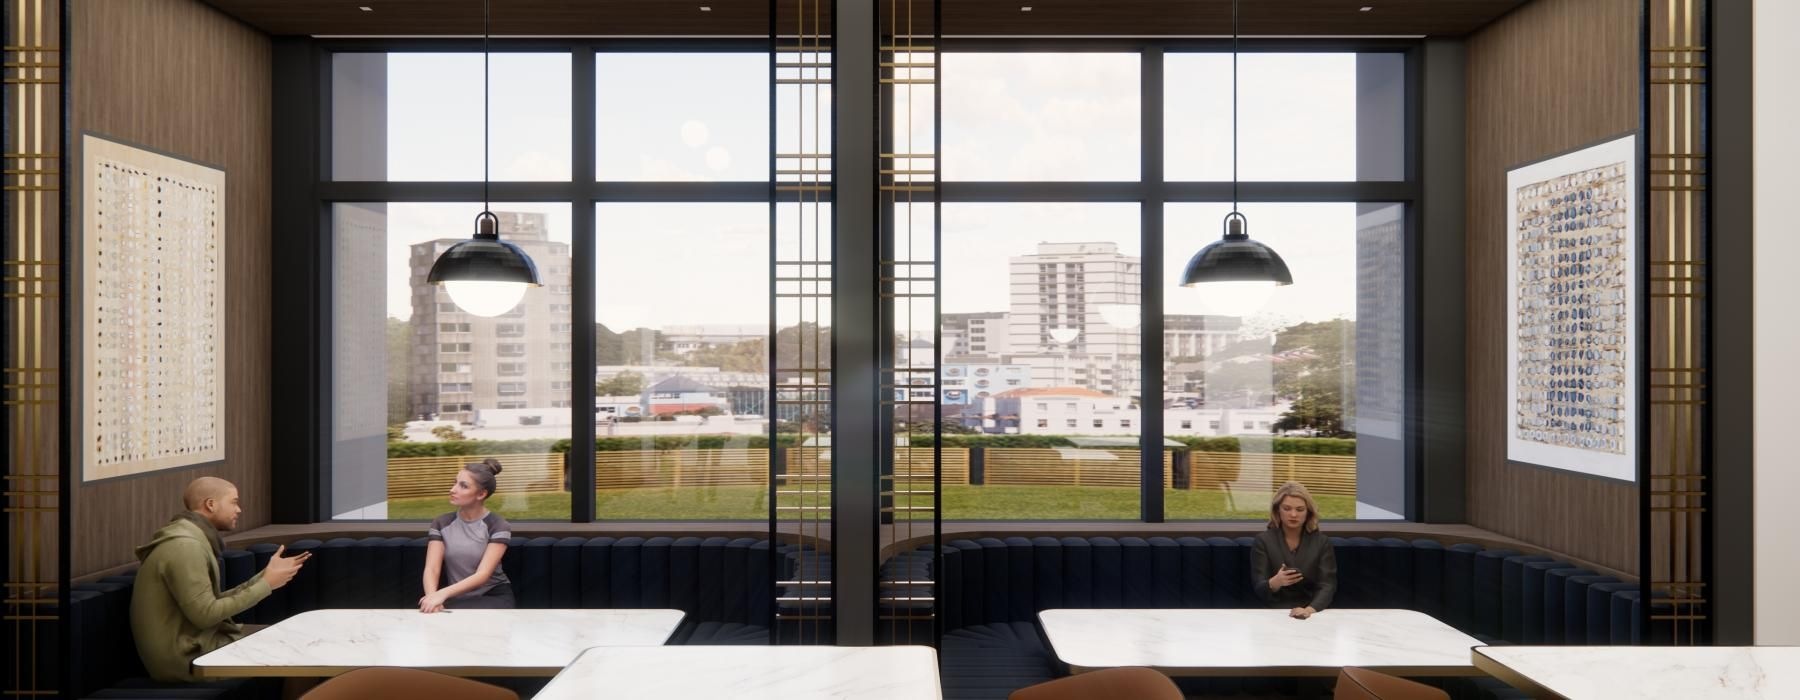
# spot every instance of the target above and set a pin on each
(1236, 258)
(485, 276)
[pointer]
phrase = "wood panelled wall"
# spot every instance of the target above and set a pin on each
(180, 77)
(1551, 76)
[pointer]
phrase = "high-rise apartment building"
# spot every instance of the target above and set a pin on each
(1057, 318)
(520, 359)
(984, 334)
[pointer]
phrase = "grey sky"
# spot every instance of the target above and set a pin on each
(1006, 117)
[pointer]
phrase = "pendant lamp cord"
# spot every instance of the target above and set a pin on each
(1234, 105)
(485, 28)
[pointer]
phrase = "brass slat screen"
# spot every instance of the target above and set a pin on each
(800, 306)
(34, 165)
(1678, 481)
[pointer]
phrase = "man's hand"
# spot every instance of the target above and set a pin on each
(281, 569)
(1302, 613)
(1284, 578)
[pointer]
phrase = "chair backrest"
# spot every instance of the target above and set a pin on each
(1105, 684)
(1364, 684)
(405, 684)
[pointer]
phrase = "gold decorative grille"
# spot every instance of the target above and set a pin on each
(33, 243)
(800, 479)
(1677, 169)
(911, 380)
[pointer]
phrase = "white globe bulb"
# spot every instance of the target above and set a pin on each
(1125, 316)
(1239, 299)
(485, 299)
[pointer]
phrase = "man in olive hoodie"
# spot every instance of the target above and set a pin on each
(177, 611)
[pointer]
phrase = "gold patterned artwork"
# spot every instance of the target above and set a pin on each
(153, 312)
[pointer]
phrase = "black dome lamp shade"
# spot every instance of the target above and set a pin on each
(484, 275)
(1235, 258)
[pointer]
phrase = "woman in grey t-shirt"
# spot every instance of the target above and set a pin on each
(466, 545)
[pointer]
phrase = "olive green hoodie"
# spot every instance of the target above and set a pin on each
(177, 611)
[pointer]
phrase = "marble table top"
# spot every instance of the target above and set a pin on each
(1692, 673)
(460, 642)
(749, 673)
(1182, 642)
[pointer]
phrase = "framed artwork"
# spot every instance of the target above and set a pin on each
(1572, 310)
(152, 352)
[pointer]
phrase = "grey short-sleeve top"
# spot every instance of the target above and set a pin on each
(465, 541)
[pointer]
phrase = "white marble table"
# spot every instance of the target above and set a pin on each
(459, 642)
(749, 673)
(1258, 642)
(1691, 673)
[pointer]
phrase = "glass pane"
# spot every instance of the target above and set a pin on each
(682, 117)
(1040, 116)
(1307, 385)
(451, 387)
(681, 426)
(1041, 378)
(1301, 117)
(417, 116)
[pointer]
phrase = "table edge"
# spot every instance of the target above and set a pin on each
(1498, 669)
(262, 670)
(1428, 671)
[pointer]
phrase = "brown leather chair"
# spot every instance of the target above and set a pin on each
(1105, 684)
(405, 684)
(1364, 684)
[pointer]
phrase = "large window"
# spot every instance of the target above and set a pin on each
(1074, 188)
(1047, 407)
(422, 388)
(1306, 385)
(683, 367)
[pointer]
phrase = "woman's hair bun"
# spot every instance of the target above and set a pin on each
(492, 464)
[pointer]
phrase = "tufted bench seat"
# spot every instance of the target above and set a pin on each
(994, 588)
(723, 584)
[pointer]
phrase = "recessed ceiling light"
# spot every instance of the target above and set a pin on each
(1366, 8)
(706, 8)
(1024, 8)
(365, 8)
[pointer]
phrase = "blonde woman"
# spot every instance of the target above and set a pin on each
(1291, 562)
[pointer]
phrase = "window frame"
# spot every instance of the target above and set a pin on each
(303, 77)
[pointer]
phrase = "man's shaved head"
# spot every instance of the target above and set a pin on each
(214, 498)
(203, 488)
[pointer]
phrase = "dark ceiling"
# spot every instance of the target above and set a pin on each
(961, 17)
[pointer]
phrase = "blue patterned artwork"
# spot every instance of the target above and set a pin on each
(1571, 311)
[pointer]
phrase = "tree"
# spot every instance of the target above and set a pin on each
(448, 433)
(1320, 413)
(621, 384)
(628, 348)
(1310, 365)
(399, 370)
(741, 356)
(396, 433)
(806, 341)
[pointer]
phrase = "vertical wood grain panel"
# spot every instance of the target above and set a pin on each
(1551, 76)
(180, 77)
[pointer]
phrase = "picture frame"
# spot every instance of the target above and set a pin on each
(152, 324)
(1572, 311)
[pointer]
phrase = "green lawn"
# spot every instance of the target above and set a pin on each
(960, 503)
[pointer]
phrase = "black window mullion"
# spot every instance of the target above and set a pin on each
(1150, 293)
(584, 256)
